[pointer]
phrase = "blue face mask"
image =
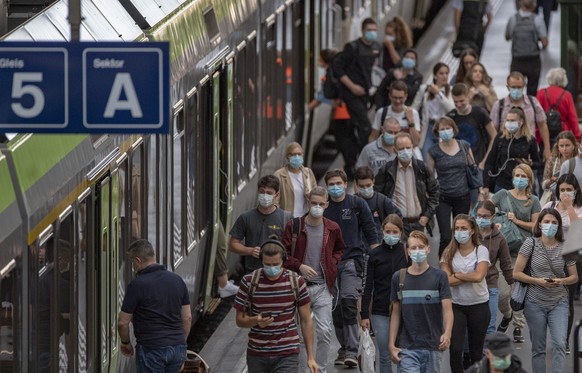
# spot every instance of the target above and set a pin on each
(462, 237)
(272, 271)
(516, 93)
(418, 256)
(520, 183)
(371, 36)
(336, 191)
(502, 363)
(366, 192)
(408, 63)
(391, 239)
(483, 223)
(388, 138)
(549, 230)
(446, 135)
(405, 155)
(512, 126)
(296, 161)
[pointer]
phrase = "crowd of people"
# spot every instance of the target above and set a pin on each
(494, 174)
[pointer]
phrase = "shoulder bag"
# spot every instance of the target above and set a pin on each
(474, 176)
(519, 291)
(508, 228)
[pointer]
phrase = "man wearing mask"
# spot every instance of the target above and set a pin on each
(258, 224)
(534, 112)
(376, 154)
(314, 247)
(263, 305)
(499, 356)
(353, 68)
(422, 312)
(410, 185)
(355, 220)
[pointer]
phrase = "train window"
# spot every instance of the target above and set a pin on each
(192, 118)
(211, 24)
(82, 280)
(136, 200)
(66, 301)
(177, 200)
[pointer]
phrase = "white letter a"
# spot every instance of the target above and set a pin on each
(123, 82)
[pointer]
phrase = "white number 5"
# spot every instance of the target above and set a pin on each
(20, 88)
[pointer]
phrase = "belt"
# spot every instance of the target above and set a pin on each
(410, 220)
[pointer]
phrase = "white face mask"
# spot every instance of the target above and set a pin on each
(316, 211)
(265, 200)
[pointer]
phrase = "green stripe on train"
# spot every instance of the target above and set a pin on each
(7, 196)
(35, 155)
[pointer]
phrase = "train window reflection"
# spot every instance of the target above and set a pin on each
(177, 155)
(65, 281)
(192, 121)
(81, 258)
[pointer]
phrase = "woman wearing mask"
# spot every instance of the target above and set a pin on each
(296, 181)
(568, 202)
(467, 58)
(494, 241)
(481, 91)
(564, 149)
(466, 262)
(546, 302)
(408, 73)
(514, 145)
(398, 39)
(449, 159)
(433, 101)
(383, 262)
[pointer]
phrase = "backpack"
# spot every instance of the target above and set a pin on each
(553, 118)
(331, 85)
(293, 277)
(525, 37)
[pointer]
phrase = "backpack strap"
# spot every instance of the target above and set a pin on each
(295, 222)
(534, 109)
(571, 165)
(252, 288)
(501, 104)
(559, 98)
(294, 284)
(401, 284)
(384, 115)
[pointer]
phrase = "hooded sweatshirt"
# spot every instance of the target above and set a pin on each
(498, 250)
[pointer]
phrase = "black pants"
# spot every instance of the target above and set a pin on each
(347, 143)
(530, 67)
(358, 109)
(473, 319)
(447, 207)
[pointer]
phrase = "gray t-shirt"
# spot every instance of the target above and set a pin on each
(518, 207)
(451, 170)
(313, 254)
(254, 228)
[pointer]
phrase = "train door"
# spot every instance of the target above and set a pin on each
(226, 157)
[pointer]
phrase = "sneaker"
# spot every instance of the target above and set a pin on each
(228, 290)
(341, 357)
(351, 362)
(517, 337)
(567, 348)
(504, 324)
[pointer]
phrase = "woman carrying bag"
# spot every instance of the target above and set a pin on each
(546, 302)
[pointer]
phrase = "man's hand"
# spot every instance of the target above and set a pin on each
(423, 221)
(256, 251)
(313, 367)
(127, 350)
(358, 90)
(262, 322)
(365, 324)
(307, 272)
(409, 115)
(394, 352)
(445, 342)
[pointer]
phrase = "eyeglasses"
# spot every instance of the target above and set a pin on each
(483, 216)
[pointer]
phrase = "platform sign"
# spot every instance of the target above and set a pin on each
(84, 87)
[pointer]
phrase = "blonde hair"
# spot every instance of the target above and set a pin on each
(523, 129)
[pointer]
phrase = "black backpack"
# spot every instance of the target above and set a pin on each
(553, 118)
(331, 85)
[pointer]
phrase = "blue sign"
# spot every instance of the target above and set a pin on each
(84, 87)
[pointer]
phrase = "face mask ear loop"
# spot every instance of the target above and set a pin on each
(504, 165)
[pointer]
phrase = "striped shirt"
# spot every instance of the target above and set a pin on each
(277, 297)
(541, 268)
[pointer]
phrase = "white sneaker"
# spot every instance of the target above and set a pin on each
(228, 290)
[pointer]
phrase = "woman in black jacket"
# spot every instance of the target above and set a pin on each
(514, 145)
(384, 261)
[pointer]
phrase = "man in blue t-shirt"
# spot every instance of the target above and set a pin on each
(355, 219)
(157, 304)
(422, 312)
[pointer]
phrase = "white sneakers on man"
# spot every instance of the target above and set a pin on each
(228, 290)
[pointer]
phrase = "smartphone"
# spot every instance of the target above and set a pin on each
(550, 280)
(265, 315)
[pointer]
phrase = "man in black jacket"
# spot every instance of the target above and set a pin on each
(413, 189)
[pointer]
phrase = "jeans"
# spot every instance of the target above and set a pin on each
(420, 361)
(446, 207)
(272, 364)
(539, 320)
(381, 326)
(160, 360)
(321, 303)
(493, 303)
(345, 302)
(473, 319)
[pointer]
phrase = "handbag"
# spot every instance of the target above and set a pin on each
(519, 291)
(474, 176)
(194, 364)
(508, 228)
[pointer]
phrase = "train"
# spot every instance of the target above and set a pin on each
(241, 75)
